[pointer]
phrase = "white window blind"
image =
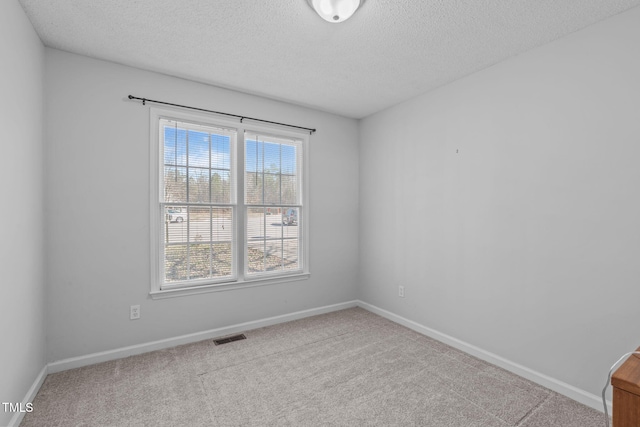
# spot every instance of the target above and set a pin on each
(273, 178)
(198, 199)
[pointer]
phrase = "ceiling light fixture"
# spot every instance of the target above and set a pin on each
(335, 11)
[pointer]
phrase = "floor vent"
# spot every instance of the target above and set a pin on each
(229, 339)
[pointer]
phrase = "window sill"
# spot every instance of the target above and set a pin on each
(181, 292)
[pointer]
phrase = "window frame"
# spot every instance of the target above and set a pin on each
(240, 278)
(271, 138)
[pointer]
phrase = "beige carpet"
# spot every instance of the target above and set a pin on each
(347, 368)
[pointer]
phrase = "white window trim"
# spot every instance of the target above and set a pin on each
(240, 281)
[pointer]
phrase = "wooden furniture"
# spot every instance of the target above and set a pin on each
(626, 393)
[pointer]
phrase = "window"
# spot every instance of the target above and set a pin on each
(228, 204)
(272, 198)
(197, 201)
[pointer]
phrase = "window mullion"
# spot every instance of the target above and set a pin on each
(280, 196)
(282, 246)
(188, 207)
(264, 201)
(240, 211)
(210, 209)
(264, 225)
(210, 169)
(210, 239)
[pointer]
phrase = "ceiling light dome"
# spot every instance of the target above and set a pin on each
(335, 10)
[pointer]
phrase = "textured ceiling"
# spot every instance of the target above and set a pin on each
(389, 51)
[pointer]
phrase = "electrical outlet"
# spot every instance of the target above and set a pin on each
(401, 291)
(135, 312)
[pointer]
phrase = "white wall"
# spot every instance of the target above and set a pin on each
(21, 237)
(97, 210)
(508, 205)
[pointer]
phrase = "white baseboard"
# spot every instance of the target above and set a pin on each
(28, 398)
(119, 353)
(558, 386)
